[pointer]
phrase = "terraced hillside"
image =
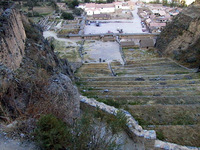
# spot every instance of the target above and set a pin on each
(159, 93)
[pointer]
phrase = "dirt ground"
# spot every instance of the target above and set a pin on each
(96, 50)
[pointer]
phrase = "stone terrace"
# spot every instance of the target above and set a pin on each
(160, 94)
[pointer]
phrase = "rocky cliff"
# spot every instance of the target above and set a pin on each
(33, 80)
(180, 39)
(12, 38)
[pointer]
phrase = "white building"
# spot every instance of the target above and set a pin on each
(93, 8)
(188, 2)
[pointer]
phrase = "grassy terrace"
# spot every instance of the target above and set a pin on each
(160, 94)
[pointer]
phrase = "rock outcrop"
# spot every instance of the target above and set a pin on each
(33, 80)
(180, 39)
(12, 38)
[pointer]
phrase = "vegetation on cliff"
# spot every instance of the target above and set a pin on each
(40, 82)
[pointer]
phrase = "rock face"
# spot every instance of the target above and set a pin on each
(12, 38)
(33, 80)
(180, 39)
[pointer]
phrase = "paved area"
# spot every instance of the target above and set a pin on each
(128, 26)
(107, 51)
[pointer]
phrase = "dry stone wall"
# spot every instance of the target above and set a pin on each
(12, 38)
(147, 138)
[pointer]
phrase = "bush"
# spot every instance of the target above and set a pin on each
(51, 133)
(67, 16)
(117, 123)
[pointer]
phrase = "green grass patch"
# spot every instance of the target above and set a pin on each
(110, 102)
(135, 103)
(138, 93)
(160, 135)
(178, 72)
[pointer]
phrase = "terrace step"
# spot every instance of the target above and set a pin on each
(143, 82)
(154, 77)
(164, 100)
(143, 93)
(167, 114)
(158, 92)
(189, 133)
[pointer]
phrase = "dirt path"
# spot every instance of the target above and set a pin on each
(11, 144)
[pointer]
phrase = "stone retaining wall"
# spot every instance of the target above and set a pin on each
(134, 130)
(108, 35)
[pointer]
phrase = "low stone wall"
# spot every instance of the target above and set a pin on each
(134, 130)
(108, 35)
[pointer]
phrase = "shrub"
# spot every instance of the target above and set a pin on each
(160, 135)
(51, 133)
(117, 123)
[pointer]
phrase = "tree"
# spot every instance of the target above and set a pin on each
(67, 16)
(73, 4)
(183, 3)
(110, 1)
(78, 11)
(165, 3)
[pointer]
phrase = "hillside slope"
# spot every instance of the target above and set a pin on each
(180, 39)
(33, 80)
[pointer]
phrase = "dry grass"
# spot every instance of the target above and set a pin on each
(43, 10)
(183, 135)
(68, 31)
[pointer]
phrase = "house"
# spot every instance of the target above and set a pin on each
(118, 5)
(90, 12)
(62, 6)
(156, 27)
(93, 8)
(97, 11)
(146, 43)
(106, 8)
(131, 5)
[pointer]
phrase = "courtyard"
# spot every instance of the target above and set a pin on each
(112, 26)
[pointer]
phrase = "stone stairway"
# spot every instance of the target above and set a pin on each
(160, 94)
